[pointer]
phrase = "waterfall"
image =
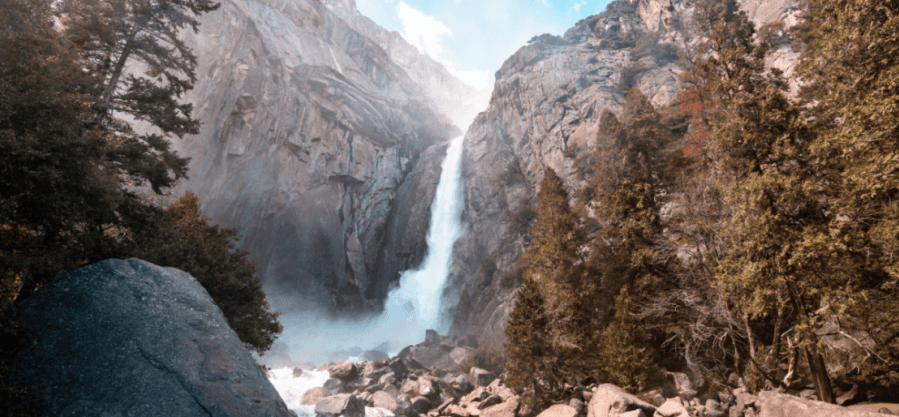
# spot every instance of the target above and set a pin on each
(414, 306)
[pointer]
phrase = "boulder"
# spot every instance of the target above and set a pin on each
(559, 410)
(672, 408)
(577, 404)
(611, 401)
(376, 372)
(375, 355)
(126, 337)
(480, 377)
(460, 383)
(311, 396)
(634, 413)
(773, 404)
(384, 400)
(432, 337)
(420, 404)
(506, 409)
(343, 371)
(678, 384)
(490, 401)
(456, 411)
(358, 383)
(346, 405)
(333, 385)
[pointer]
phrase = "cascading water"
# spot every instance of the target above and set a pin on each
(414, 306)
(411, 308)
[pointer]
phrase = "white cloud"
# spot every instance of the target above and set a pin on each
(422, 31)
(475, 78)
(576, 8)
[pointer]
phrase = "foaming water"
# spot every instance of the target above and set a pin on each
(414, 306)
(292, 389)
(410, 309)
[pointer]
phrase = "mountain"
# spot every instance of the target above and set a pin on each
(318, 146)
(545, 110)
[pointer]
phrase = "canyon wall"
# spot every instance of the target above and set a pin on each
(317, 146)
(545, 111)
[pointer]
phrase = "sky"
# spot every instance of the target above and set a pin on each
(473, 38)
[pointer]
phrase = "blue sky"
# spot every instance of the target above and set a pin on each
(474, 37)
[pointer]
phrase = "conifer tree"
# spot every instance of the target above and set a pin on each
(528, 359)
(625, 358)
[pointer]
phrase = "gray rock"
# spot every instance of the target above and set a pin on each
(886, 411)
(577, 404)
(420, 404)
(359, 383)
(633, 413)
(346, 405)
(343, 371)
(506, 409)
(674, 407)
(773, 404)
(384, 400)
(460, 383)
(677, 384)
(490, 401)
(126, 337)
(311, 396)
(456, 411)
(375, 355)
(480, 377)
(559, 410)
(333, 385)
(611, 401)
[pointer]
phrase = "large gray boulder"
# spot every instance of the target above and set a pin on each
(346, 405)
(129, 338)
(558, 410)
(773, 404)
(611, 401)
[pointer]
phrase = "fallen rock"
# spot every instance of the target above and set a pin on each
(673, 407)
(773, 404)
(506, 409)
(343, 371)
(559, 410)
(490, 401)
(460, 383)
(420, 404)
(312, 396)
(346, 405)
(634, 413)
(456, 411)
(384, 400)
(375, 355)
(677, 384)
(480, 377)
(333, 386)
(126, 337)
(610, 401)
(577, 404)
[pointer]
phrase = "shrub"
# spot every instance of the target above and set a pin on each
(488, 359)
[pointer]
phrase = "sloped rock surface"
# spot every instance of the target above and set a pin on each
(129, 338)
(545, 111)
(309, 131)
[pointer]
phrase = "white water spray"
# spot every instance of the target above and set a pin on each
(414, 306)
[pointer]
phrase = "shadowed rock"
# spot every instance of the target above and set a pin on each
(126, 337)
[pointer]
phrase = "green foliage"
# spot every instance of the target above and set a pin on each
(528, 356)
(185, 240)
(484, 358)
(625, 359)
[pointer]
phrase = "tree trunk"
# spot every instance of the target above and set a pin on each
(815, 360)
(774, 355)
(109, 92)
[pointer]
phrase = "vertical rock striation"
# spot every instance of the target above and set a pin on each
(545, 110)
(310, 129)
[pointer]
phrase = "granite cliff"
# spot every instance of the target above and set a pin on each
(545, 110)
(312, 139)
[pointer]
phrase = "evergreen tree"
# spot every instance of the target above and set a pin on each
(625, 358)
(850, 68)
(185, 240)
(529, 361)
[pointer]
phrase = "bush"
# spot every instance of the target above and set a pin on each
(488, 359)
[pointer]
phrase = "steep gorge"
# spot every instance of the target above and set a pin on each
(317, 146)
(545, 111)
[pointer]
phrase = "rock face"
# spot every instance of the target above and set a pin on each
(131, 338)
(310, 131)
(545, 111)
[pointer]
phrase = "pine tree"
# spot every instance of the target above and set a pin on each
(850, 65)
(185, 240)
(527, 354)
(625, 358)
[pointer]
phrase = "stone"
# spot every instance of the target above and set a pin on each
(346, 405)
(420, 404)
(848, 396)
(375, 355)
(509, 408)
(409, 388)
(773, 404)
(297, 372)
(490, 401)
(432, 337)
(456, 411)
(333, 385)
(384, 400)
(611, 401)
(311, 396)
(886, 411)
(559, 410)
(343, 371)
(358, 384)
(126, 337)
(577, 404)
(633, 413)
(673, 407)
(388, 378)
(376, 372)
(479, 394)
(678, 384)
(480, 377)
(460, 383)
